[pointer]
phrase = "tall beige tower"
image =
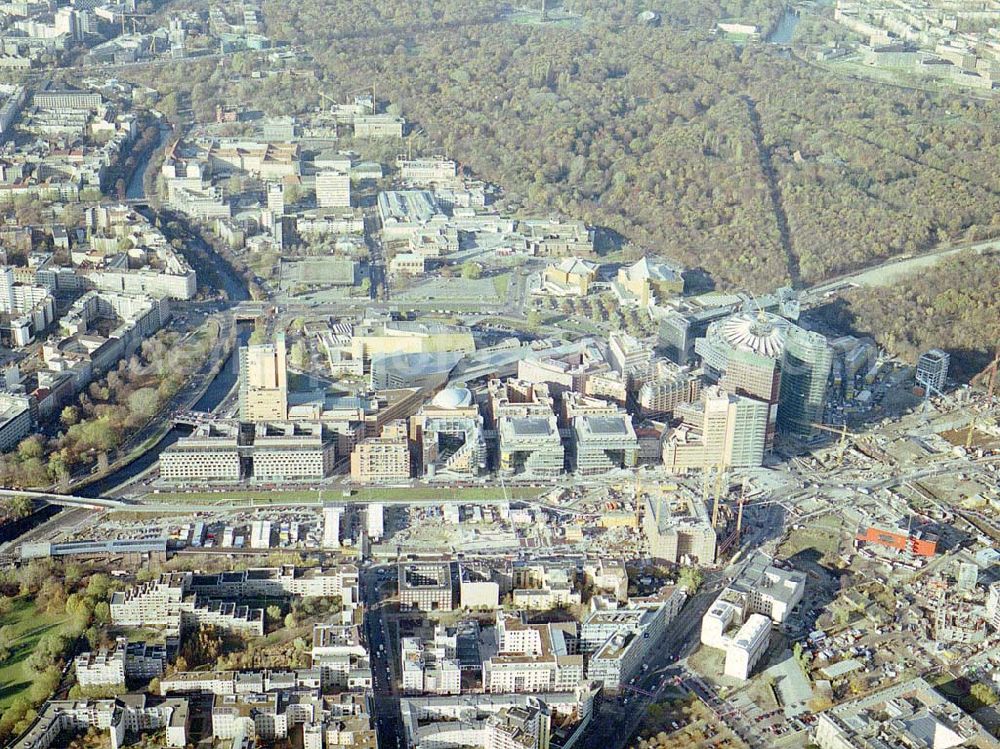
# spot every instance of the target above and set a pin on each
(722, 430)
(264, 381)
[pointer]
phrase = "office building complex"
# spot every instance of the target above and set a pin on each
(765, 357)
(678, 529)
(530, 445)
(425, 586)
(805, 371)
(721, 430)
(333, 189)
(385, 458)
(603, 443)
(263, 385)
(739, 621)
(225, 452)
(668, 386)
(449, 435)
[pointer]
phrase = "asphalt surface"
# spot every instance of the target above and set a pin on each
(381, 647)
(616, 719)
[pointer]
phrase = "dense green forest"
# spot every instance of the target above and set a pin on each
(649, 130)
(954, 306)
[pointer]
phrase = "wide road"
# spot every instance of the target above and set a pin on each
(617, 719)
(381, 647)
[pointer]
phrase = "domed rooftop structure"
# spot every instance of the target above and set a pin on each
(758, 333)
(452, 398)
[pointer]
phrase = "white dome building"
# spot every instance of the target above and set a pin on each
(452, 398)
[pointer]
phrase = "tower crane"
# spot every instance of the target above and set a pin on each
(842, 442)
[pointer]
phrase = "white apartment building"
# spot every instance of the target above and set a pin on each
(533, 658)
(429, 667)
(101, 669)
(172, 601)
(136, 660)
(519, 727)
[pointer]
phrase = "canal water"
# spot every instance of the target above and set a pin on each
(221, 273)
(783, 32)
(213, 396)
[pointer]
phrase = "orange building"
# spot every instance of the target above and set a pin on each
(918, 543)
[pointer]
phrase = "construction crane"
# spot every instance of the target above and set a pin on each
(638, 500)
(842, 442)
(991, 374)
(134, 18)
(330, 99)
(739, 514)
(719, 477)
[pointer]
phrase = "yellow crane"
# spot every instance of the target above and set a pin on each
(842, 442)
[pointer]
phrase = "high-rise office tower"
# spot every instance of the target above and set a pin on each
(6, 288)
(932, 370)
(805, 371)
(744, 352)
(333, 189)
(263, 381)
(276, 198)
(721, 430)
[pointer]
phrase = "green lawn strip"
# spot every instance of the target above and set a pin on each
(28, 626)
(375, 494)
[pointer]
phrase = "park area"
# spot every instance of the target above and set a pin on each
(21, 629)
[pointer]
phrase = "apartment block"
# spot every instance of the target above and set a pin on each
(620, 640)
(533, 657)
